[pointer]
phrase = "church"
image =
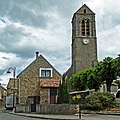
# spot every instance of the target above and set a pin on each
(39, 81)
(84, 41)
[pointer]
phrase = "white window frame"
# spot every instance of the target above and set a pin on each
(46, 69)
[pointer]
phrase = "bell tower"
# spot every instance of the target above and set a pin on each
(84, 41)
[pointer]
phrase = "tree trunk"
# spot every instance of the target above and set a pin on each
(108, 84)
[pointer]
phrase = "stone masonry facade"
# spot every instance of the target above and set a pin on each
(84, 41)
(30, 80)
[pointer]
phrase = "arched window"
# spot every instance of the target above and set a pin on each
(88, 28)
(83, 27)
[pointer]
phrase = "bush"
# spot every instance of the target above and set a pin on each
(99, 101)
(63, 95)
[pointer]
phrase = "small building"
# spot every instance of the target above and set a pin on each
(2, 95)
(114, 88)
(11, 86)
(38, 82)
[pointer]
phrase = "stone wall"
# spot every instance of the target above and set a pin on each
(56, 109)
(22, 108)
(50, 108)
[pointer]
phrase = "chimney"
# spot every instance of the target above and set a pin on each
(37, 53)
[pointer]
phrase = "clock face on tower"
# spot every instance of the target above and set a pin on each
(85, 41)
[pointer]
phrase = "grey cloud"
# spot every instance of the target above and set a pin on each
(27, 17)
(29, 11)
(4, 85)
(2, 71)
(25, 52)
(4, 5)
(65, 8)
(109, 18)
(103, 54)
(9, 36)
(6, 58)
(19, 11)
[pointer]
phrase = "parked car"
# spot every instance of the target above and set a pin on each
(118, 93)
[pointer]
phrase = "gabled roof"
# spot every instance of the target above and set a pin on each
(80, 11)
(3, 88)
(50, 64)
(10, 84)
(39, 57)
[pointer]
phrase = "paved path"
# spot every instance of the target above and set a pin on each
(100, 117)
(53, 117)
(7, 116)
(106, 116)
(72, 117)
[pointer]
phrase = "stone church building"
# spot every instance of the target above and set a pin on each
(39, 81)
(84, 41)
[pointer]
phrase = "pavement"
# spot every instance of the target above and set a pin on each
(43, 116)
(64, 117)
(48, 116)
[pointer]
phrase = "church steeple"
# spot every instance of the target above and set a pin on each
(83, 23)
(84, 42)
(84, 10)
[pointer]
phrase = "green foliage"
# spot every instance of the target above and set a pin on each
(76, 98)
(86, 79)
(92, 78)
(63, 94)
(107, 71)
(99, 101)
(118, 82)
(117, 65)
(78, 81)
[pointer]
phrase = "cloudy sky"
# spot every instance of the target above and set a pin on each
(27, 26)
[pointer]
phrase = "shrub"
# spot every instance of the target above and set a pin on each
(99, 101)
(63, 95)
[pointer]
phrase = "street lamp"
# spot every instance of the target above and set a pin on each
(14, 73)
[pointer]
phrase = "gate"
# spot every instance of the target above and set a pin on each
(33, 101)
(33, 107)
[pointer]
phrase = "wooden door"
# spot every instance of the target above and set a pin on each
(53, 93)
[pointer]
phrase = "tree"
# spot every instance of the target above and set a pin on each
(63, 94)
(117, 65)
(94, 82)
(79, 81)
(87, 79)
(107, 72)
(92, 78)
